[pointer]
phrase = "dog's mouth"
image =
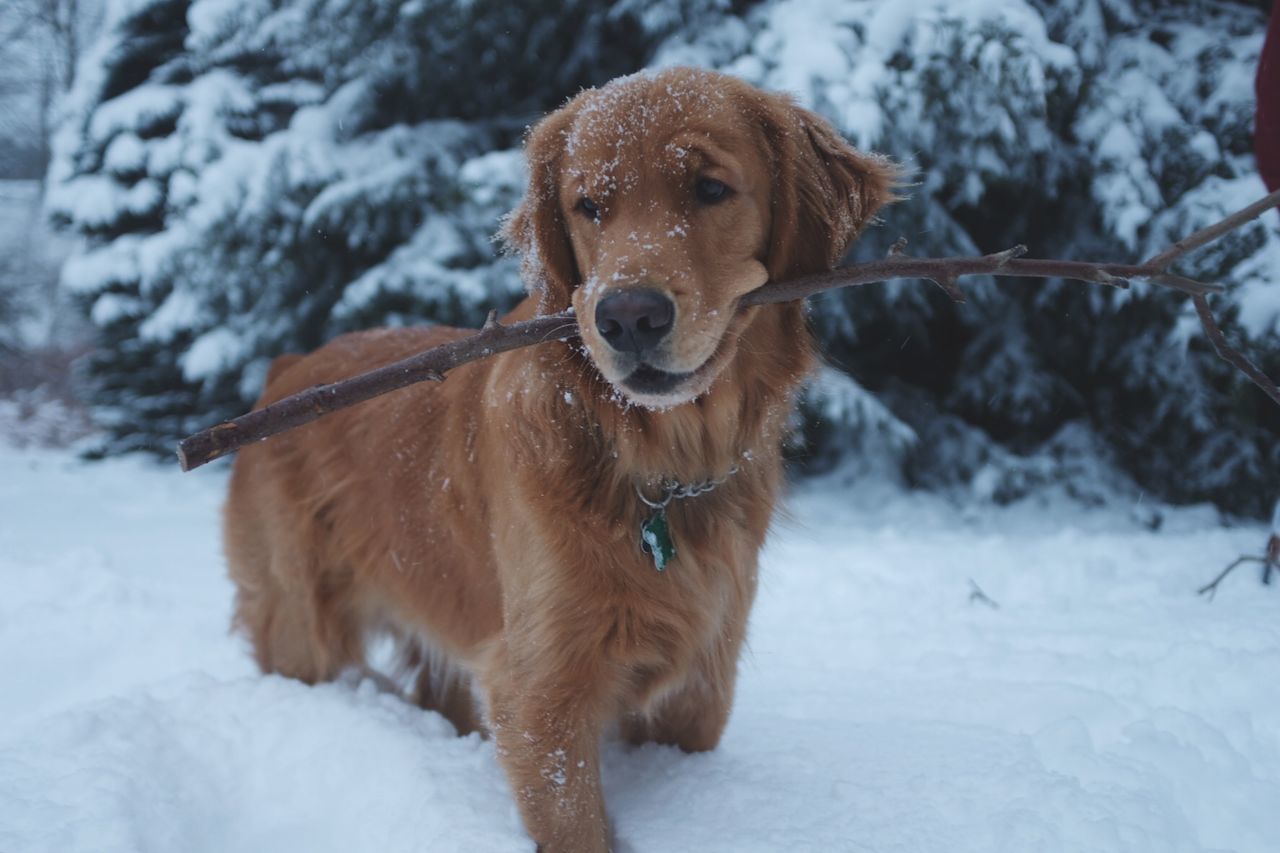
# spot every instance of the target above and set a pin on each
(647, 379)
(655, 388)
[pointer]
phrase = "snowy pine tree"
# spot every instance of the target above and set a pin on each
(255, 177)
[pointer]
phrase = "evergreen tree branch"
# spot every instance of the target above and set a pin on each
(432, 364)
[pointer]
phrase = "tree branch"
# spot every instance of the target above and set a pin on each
(1212, 232)
(306, 406)
(1211, 588)
(1232, 356)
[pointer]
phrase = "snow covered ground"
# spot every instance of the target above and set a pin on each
(1101, 707)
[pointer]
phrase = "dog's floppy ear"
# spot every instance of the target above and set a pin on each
(825, 191)
(536, 228)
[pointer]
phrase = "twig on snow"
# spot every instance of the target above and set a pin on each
(977, 595)
(1270, 563)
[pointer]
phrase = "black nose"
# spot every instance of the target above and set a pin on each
(634, 320)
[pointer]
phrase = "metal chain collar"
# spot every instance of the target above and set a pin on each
(680, 491)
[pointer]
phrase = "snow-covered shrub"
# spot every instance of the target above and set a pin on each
(259, 175)
(839, 420)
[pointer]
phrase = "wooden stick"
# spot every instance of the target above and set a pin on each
(1232, 356)
(493, 338)
(1211, 588)
(305, 406)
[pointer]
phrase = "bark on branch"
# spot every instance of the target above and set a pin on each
(432, 364)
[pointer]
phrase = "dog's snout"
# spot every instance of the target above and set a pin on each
(635, 320)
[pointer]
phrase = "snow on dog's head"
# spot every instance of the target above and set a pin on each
(657, 201)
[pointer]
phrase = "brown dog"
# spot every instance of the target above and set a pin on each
(493, 522)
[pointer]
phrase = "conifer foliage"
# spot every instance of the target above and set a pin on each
(256, 176)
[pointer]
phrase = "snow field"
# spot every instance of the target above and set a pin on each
(1101, 707)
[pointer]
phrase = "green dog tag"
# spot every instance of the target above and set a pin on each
(655, 540)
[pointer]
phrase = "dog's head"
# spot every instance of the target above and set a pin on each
(658, 200)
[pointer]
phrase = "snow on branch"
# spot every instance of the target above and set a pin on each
(432, 364)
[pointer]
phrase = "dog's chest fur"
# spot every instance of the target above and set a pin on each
(571, 568)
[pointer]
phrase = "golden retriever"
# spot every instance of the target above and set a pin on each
(493, 522)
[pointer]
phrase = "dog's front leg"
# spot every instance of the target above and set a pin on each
(547, 725)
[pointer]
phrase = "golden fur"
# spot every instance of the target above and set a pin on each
(491, 521)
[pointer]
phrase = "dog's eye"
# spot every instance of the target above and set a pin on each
(589, 209)
(711, 191)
